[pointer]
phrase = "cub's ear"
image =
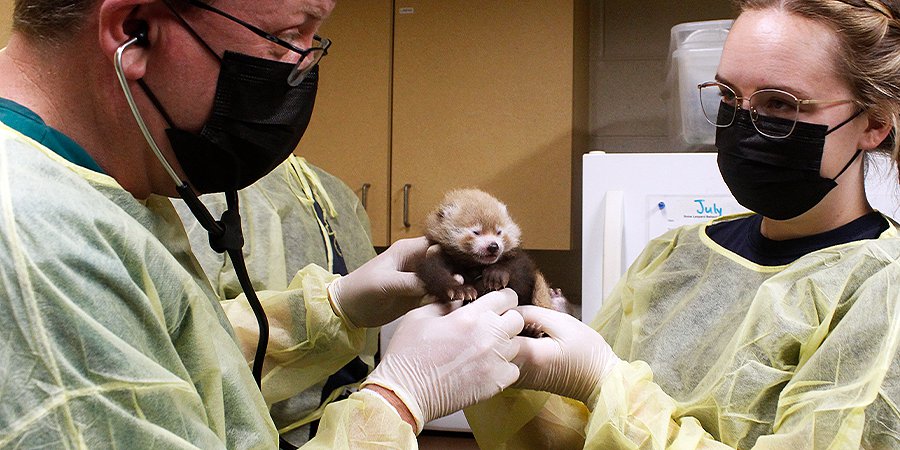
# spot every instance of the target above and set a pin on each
(447, 210)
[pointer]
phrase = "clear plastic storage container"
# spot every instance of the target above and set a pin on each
(695, 49)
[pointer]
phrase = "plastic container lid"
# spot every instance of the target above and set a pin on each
(695, 50)
(708, 33)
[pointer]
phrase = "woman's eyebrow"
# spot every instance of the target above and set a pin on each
(793, 90)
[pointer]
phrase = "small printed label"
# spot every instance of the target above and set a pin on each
(667, 212)
(407, 10)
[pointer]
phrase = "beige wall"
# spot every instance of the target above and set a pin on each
(6, 7)
(629, 54)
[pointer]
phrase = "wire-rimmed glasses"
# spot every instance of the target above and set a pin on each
(776, 104)
(309, 57)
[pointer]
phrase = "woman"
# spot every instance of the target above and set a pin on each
(778, 329)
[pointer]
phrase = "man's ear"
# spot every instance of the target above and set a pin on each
(120, 21)
(877, 130)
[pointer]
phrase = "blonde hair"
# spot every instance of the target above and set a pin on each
(868, 36)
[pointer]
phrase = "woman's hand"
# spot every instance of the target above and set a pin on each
(571, 360)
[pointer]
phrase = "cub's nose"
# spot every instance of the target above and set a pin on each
(493, 248)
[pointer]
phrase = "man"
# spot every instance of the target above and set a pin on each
(111, 334)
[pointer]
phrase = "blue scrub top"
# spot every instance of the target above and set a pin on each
(743, 236)
(30, 124)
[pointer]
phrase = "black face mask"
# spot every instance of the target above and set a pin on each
(257, 120)
(777, 178)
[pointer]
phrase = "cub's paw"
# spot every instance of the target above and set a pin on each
(559, 302)
(495, 278)
(465, 292)
(532, 330)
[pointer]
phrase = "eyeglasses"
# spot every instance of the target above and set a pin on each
(776, 104)
(309, 58)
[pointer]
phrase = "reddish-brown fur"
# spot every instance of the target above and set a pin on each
(480, 242)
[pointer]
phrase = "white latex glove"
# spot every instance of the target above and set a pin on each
(439, 363)
(384, 288)
(571, 360)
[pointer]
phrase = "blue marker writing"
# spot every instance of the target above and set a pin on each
(715, 209)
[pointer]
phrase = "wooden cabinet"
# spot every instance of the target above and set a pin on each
(474, 94)
(6, 12)
(350, 132)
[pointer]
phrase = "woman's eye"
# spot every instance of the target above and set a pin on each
(727, 97)
(777, 105)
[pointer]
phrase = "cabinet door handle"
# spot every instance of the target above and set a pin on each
(365, 195)
(406, 188)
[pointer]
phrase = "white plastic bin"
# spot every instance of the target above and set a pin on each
(695, 49)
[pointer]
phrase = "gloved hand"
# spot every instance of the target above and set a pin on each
(570, 361)
(438, 363)
(382, 289)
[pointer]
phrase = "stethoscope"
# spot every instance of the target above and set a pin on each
(225, 235)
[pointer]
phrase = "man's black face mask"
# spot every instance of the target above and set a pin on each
(257, 120)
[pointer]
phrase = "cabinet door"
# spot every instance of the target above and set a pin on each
(483, 97)
(6, 12)
(349, 135)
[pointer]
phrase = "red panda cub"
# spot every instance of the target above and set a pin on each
(480, 242)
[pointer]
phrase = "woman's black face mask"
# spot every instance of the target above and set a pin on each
(777, 178)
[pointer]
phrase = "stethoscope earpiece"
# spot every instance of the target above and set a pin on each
(137, 30)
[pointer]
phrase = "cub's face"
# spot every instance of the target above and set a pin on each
(485, 244)
(473, 225)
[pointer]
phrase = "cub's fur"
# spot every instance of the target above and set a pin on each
(480, 242)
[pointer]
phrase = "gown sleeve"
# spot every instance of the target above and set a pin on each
(363, 421)
(307, 341)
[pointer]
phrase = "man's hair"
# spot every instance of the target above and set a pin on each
(51, 20)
